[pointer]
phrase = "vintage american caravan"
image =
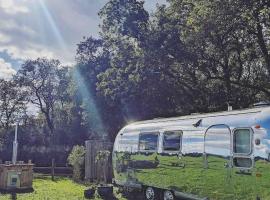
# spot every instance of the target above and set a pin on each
(221, 155)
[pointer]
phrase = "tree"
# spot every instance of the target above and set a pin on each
(225, 53)
(123, 18)
(93, 58)
(124, 23)
(255, 14)
(147, 76)
(45, 81)
(12, 102)
(189, 56)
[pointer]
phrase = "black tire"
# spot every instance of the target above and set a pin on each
(168, 195)
(151, 193)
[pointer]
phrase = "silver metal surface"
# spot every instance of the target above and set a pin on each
(212, 161)
(15, 145)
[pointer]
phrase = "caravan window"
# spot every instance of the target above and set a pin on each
(148, 141)
(242, 162)
(128, 142)
(242, 141)
(172, 140)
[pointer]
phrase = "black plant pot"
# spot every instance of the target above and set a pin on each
(105, 190)
(89, 193)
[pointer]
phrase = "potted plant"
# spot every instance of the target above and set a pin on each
(104, 189)
(89, 193)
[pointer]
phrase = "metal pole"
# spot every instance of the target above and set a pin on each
(15, 145)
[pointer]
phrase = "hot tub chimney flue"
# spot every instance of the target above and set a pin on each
(15, 144)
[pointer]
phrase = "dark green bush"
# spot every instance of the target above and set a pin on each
(76, 160)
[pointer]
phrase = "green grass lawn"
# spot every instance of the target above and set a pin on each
(61, 189)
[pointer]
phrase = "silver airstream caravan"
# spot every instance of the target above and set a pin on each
(221, 155)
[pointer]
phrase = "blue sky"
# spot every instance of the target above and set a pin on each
(51, 28)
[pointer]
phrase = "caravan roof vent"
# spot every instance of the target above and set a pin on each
(261, 104)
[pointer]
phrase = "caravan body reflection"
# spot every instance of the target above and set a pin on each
(208, 156)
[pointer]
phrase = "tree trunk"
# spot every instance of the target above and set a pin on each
(53, 151)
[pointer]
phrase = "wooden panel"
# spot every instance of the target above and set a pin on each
(93, 169)
(25, 172)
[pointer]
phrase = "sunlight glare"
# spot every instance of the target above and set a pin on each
(53, 25)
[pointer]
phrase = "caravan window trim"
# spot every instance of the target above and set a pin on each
(245, 157)
(250, 142)
(149, 132)
(181, 139)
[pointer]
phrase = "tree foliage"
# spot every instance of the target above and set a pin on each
(46, 83)
(186, 56)
(12, 102)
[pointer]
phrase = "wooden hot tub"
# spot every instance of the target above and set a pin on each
(16, 176)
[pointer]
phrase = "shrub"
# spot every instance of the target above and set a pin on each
(102, 157)
(76, 160)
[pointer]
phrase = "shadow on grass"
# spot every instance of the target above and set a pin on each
(17, 191)
(13, 193)
(49, 178)
(133, 195)
(110, 198)
(139, 196)
(13, 196)
(129, 197)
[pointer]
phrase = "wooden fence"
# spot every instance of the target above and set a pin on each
(94, 169)
(59, 171)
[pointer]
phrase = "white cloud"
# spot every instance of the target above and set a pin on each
(6, 71)
(13, 6)
(4, 38)
(25, 53)
(10, 25)
(48, 28)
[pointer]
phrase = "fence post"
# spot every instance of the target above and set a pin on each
(52, 170)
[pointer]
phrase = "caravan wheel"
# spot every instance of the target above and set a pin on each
(150, 193)
(168, 195)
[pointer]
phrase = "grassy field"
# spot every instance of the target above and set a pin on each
(61, 189)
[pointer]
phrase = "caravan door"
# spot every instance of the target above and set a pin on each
(244, 174)
(217, 162)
